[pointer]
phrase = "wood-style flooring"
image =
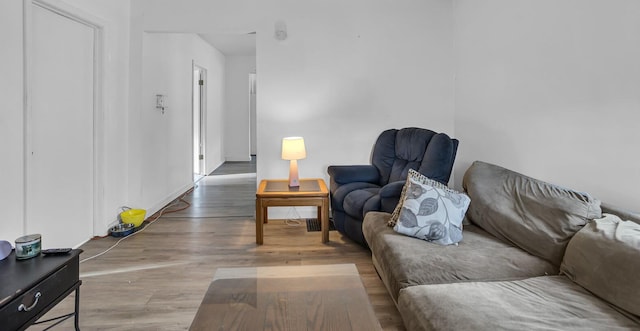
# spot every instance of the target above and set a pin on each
(157, 278)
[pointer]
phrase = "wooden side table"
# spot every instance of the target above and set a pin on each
(277, 193)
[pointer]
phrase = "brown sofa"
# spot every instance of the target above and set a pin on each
(521, 264)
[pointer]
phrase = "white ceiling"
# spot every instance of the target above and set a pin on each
(232, 44)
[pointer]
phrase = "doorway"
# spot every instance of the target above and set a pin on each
(199, 107)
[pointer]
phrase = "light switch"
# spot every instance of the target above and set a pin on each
(160, 102)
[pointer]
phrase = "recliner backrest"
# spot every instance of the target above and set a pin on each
(430, 153)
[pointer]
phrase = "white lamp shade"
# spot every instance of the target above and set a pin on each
(293, 148)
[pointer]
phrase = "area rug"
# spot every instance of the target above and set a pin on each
(313, 225)
(320, 297)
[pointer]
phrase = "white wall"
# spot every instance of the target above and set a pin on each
(237, 137)
(547, 88)
(166, 154)
(114, 16)
(216, 99)
(348, 70)
(552, 89)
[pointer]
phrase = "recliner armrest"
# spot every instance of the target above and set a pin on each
(392, 189)
(343, 174)
(390, 195)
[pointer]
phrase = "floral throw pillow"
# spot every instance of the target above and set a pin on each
(432, 213)
(415, 176)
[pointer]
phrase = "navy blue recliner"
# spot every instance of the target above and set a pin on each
(358, 189)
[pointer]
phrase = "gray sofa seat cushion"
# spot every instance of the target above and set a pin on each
(404, 261)
(539, 303)
(534, 215)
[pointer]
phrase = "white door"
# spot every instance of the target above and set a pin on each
(60, 132)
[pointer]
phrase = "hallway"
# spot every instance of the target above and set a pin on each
(156, 279)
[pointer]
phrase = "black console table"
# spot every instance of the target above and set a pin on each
(30, 288)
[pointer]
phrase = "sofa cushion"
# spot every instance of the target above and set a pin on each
(534, 215)
(432, 213)
(539, 303)
(403, 261)
(604, 258)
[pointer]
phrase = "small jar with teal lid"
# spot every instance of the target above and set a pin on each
(28, 246)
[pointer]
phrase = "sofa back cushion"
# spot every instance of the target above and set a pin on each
(536, 216)
(604, 258)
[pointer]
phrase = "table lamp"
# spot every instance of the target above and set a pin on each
(293, 150)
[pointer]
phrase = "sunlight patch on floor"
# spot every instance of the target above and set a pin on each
(130, 269)
(227, 179)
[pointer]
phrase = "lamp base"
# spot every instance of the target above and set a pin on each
(294, 181)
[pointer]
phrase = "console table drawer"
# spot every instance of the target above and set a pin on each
(34, 302)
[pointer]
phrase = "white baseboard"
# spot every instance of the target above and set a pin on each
(158, 206)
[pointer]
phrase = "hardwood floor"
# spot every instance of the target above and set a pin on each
(157, 278)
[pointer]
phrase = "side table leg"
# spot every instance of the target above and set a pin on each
(259, 221)
(265, 215)
(77, 310)
(324, 219)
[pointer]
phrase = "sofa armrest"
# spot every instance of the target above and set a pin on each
(343, 174)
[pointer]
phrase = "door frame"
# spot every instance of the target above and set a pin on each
(98, 26)
(203, 116)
